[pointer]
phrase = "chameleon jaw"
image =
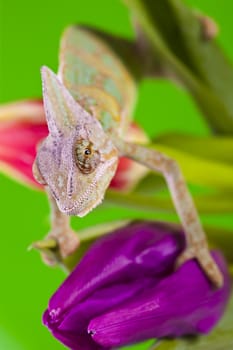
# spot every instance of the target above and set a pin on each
(78, 209)
(94, 193)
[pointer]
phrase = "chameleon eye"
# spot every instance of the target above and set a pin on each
(87, 152)
(86, 157)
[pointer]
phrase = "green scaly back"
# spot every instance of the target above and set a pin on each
(96, 77)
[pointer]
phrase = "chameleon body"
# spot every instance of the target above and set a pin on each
(88, 108)
(96, 78)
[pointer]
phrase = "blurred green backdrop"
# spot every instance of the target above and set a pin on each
(29, 38)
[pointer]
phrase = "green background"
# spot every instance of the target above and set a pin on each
(29, 38)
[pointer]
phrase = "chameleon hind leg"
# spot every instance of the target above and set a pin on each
(196, 243)
(61, 241)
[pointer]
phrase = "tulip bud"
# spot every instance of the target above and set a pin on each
(126, 289)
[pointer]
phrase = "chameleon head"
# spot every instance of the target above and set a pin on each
(77, 160)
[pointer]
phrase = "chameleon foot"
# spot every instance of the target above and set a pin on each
(206, 262)
(49, 250)
(67, 241)
(57, 246)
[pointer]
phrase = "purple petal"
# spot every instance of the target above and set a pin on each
(139, 249)
(125, 290)
(101, 301)
(181, 304)
(73, 324)
(117, 268)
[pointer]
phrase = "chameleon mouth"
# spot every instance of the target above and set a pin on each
(78, 210)
(86, 201)
(82, 206)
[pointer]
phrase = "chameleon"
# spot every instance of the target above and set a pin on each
(89, 106)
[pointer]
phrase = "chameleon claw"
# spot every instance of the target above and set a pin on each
(66, 239)
(49, 250)
(186, 255)
(55, 248)
(206, 262)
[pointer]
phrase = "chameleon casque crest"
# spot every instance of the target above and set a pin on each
(88, 108)
(77, 160)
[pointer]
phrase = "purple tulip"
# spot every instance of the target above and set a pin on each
(125, 290)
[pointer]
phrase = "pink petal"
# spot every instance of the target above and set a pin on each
(23, 126)
(129, 173)
(26, 110)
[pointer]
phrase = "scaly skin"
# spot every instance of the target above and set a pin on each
(87, 107)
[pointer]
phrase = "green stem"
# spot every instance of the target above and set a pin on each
(91, 233)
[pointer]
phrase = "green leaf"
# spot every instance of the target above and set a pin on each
(217, 148)
(201, 171)
(150, 184)
(174, 33)
(206, 204)
(221, 239)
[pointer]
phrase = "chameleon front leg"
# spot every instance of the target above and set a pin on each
(61, 231)
(196, 243)
(65, 239)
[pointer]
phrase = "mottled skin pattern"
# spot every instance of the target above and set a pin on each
(87, 109)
